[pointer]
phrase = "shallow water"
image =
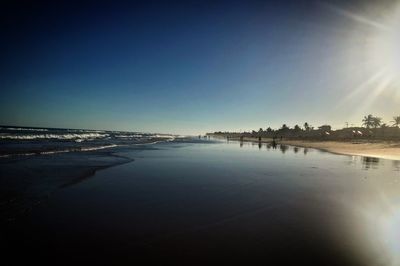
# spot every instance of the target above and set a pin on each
(223, 202)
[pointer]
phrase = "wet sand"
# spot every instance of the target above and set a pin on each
(27, 181)
(378, 149)
(383, 149)
(225, 203)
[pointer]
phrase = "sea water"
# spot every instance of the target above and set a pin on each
(193, 202)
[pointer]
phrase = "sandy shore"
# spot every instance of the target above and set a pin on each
(385, 150)
(379, 149)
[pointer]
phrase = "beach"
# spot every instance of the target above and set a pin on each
(200, 133)
(370, 148)
(379, 149)
(35, 162)
(202, 201)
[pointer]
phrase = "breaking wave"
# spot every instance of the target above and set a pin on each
(24, 129)
(68, 136)
(20, 141)
(77, 149)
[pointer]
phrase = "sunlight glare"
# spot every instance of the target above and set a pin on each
(378, 39)
(389, 226)
(385, 48)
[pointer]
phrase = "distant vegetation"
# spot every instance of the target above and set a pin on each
(372, 128)
(371, 121)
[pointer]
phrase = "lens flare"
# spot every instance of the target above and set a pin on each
(384, 47)
(380, 227)
(376, 42)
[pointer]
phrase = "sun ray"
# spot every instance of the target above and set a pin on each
(376, 49)
(357, 17)
(361, 88)
(365, 105)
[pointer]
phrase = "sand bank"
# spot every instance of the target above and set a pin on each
(382, 149)
(379, 149)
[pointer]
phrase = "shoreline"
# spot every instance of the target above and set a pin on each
(389, 150)
(19, 197)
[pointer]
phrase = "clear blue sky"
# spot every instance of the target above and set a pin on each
(183, 67)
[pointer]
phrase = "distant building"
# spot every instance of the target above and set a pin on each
(325, 128)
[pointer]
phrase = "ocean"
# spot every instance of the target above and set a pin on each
(191, 201)
(27, 141)
(36, 161)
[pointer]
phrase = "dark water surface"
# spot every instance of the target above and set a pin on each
(207, 202)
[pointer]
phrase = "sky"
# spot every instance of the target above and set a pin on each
(190, 67)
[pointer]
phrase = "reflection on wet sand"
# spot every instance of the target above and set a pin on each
(296, 149)
(274, 144)
(396, 165)
(368, 202)
(370, 162)
(318, 208)
(367, 162)
(283, 148)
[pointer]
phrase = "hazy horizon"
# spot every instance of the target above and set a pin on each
(195, 67)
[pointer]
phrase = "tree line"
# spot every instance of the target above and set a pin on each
(369, 121)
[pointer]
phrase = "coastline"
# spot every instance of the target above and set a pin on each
(378, 148)
(36, 178)
(200, 194)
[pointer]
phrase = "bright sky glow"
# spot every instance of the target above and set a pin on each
(379, 43)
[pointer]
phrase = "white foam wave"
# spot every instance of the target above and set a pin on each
(165, 137)
(25, 129)
(129, 136)
(82, 149)
(98, 147)
(156, 141)
(53, 152)
(95, 148)
(68, 136)
(19, 154)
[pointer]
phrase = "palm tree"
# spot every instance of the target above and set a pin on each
(384, 126)
(306, 126)
(376, 122)
(396, 121)
(368, 121)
